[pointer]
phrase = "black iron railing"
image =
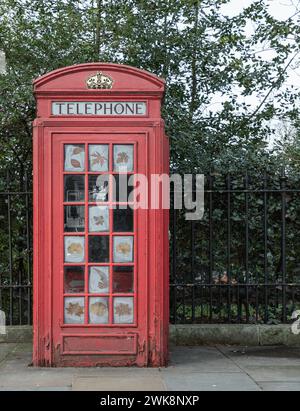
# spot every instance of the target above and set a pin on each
(16, 247)
(239, 264)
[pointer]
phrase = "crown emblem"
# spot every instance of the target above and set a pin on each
(99, 81)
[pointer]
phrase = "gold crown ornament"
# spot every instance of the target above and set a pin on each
(99, 81)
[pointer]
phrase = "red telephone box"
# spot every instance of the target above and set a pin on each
(101, 267)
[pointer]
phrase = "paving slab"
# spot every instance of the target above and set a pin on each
(277, 373)
(210, 382)
(280, 386)
(5, 350)
(35, 388)
(29, 378)
(204, 359)
(116, 372)
(262, 356)
(113, 383)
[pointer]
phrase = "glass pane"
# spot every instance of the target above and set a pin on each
(74, 188)
(123, 249)
(98, 188)
(74, 249)
(123, 158)
(74, 218)
(74, 280)
(123, 219)
(74, 157)
(98, 157)
(121, 187)
(123, 310)
(123, 279)
(74, 310)
(99, 249)
(99, 280)
(98, 310)
(98, 218)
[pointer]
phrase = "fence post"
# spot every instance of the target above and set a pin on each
(283, 242)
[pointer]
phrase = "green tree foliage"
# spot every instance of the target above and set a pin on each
(213, 65)
(288, 146)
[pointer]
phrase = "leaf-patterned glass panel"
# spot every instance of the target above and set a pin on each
(74, 310)
(123, 310)
(99, 280)
(123, 249)
(74, 249)
(123, 157)
(98, 218)
(98, 157)
(74, 157)
(98, 310)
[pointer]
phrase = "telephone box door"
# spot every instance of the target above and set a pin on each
(99, 278)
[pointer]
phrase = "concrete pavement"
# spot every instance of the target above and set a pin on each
(220, 368)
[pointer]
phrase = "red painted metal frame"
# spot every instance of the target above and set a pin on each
(146, 339)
